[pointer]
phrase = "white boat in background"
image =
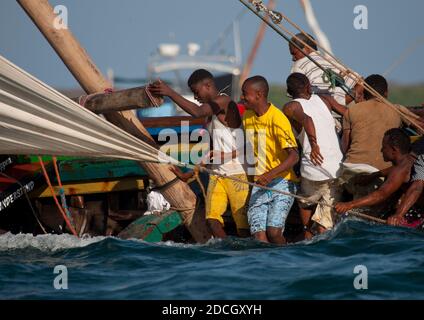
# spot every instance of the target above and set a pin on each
(174, 66)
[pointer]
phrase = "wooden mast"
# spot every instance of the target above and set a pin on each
(178, 194)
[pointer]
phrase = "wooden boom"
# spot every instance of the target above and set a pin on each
(121, 100)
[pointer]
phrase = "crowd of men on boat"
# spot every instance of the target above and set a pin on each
(320, 147)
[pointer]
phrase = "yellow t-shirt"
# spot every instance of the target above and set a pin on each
(270, 135)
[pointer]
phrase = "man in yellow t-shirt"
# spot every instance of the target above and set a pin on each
(275, 150)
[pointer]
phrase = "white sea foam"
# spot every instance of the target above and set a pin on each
(170, 243)
(48, 242)
(210, 242)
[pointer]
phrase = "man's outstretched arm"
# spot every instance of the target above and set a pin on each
(333, 105)
(408, 200)
(160, 88)
(394, 181)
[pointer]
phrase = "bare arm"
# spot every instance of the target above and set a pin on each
(292, 159)
(333, 105)
(159, 88)
(294, 111)
(408, 200)
(393, 182)
(367, 178)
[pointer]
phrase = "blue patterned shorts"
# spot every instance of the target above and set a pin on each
(270, 209)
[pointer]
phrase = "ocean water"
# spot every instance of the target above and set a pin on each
(110, 268)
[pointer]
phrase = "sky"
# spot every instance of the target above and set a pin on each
(123, 34)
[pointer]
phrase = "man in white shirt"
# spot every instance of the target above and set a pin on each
(302, 64)
(321, 152)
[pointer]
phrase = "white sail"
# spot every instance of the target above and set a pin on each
(35, 119)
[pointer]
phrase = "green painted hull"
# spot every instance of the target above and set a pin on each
(89, 169)
(152, 228)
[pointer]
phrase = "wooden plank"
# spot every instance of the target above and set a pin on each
(121, 100)
(92, 187)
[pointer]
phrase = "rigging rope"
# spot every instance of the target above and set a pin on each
(277, 17)
(298, 197)
(36, 119)
(62, 191)
(64, 215)
(199, 168)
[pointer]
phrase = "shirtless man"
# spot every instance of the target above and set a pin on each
(409, 211)
(396, 149)
(226, 156)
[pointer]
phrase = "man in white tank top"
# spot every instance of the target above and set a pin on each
(225, 129)
(321, 152)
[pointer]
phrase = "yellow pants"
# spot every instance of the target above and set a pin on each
(222, 190)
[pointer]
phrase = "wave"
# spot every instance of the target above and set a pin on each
(347, 228)
(48, 242)
(232, 268)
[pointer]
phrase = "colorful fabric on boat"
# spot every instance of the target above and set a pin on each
(270, 135)
(220, 192)
(414, 218)
(270, 209)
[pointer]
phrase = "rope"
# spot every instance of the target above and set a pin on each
(366, 216)
(166, 185)
(62, 191)
(261, 7)
(82, 100)
(28, 199)
(46, 176)
(408, 116)
(196, 177)
(336, 80)
(151, 98)
(198, 168)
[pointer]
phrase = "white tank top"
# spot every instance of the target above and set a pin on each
(227, 139)
(327, 140)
